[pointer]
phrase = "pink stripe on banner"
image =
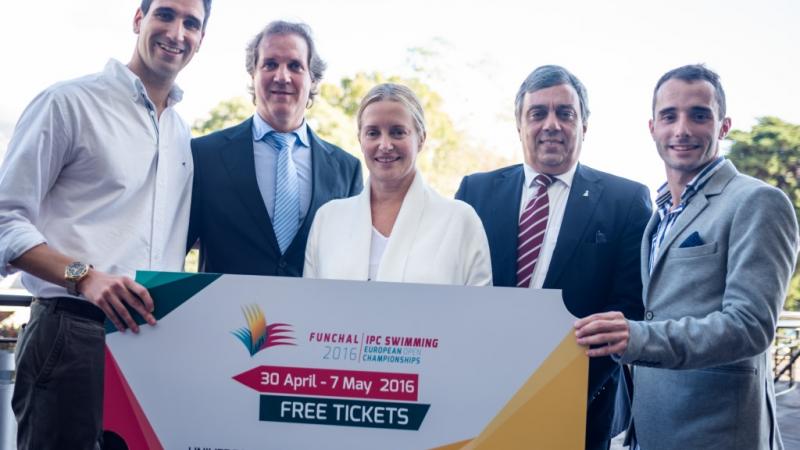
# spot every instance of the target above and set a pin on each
(331, 383)
(122, 413)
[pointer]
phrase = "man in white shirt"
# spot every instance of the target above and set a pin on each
(556, 224)
(96, 183)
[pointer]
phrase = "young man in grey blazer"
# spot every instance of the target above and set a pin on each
(716, 261)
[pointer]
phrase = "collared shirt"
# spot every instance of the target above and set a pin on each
(95, 173)
(266, 157)
(557, 198)
(667, 215)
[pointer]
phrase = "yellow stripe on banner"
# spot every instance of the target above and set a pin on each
(548, 412)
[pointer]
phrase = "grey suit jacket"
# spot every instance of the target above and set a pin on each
(703, 378)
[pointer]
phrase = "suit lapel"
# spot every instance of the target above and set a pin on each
(356, 242)
(715, 185)
(505, 216)
(645, 254)
(393, 263)
(322, 175)
(240, 163)
(584, 195)
(693, 209)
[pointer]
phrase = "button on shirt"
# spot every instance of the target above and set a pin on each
(557, 195)
(266, 157)
(94, 172)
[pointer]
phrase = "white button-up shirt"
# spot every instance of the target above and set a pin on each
(557, 193)
(94, 172)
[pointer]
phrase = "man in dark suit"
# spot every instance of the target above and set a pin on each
(257, 185)
(556, 224)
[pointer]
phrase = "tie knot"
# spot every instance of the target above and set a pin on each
(279, 140)
(543, 180)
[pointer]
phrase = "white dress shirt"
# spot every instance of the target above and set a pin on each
(266, 158)
(558, 192)
(94, 172)
(434, 240)
(376, 249)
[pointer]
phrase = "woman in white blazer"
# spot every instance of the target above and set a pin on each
(398, 228)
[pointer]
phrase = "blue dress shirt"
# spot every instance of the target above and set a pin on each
(266, 157)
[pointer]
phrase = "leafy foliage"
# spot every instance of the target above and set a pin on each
(770, 151)
(446, 157)
(226, 114)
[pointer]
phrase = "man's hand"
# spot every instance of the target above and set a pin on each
(609, 330)
(110, 293)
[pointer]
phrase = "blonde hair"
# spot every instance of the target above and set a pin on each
(395, 93)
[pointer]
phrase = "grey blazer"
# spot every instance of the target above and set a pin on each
(703, 378)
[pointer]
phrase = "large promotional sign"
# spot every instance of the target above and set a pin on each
(247, 363)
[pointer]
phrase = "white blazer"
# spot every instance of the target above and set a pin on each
(434, 240)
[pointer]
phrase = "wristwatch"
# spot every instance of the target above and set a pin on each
(73, 274)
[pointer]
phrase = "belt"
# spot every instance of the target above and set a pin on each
(75, 307)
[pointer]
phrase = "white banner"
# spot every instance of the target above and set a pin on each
(246, 363)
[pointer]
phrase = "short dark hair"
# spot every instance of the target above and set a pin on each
(690, 73)
(316, 66)
(544, 77)
(145, 7)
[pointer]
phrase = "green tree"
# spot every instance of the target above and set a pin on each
(770, 151)
(447, 155)
(227, 113)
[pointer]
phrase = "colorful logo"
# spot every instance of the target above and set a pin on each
(257, 335)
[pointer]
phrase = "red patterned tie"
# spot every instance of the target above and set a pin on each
(532, 226)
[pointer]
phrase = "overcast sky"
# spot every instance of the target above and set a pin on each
(617, 48)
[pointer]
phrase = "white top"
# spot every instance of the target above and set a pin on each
(434, 240)
(557, 192)
(266, 158)
(376, 249)
(92, 171)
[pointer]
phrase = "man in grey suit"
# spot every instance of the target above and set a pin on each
(716, 261)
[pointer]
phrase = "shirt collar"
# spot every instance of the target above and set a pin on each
(120, 73)
(261, 128)
(565, 177)
(664, 196)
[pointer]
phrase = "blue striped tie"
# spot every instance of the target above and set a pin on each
(287, 198)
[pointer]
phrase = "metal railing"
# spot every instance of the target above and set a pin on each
(8, 425)
(786, 355)
(17, 300)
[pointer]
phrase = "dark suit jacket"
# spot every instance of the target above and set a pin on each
(228, 213)
(595, 262)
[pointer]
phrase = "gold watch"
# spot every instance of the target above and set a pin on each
(73, 274)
